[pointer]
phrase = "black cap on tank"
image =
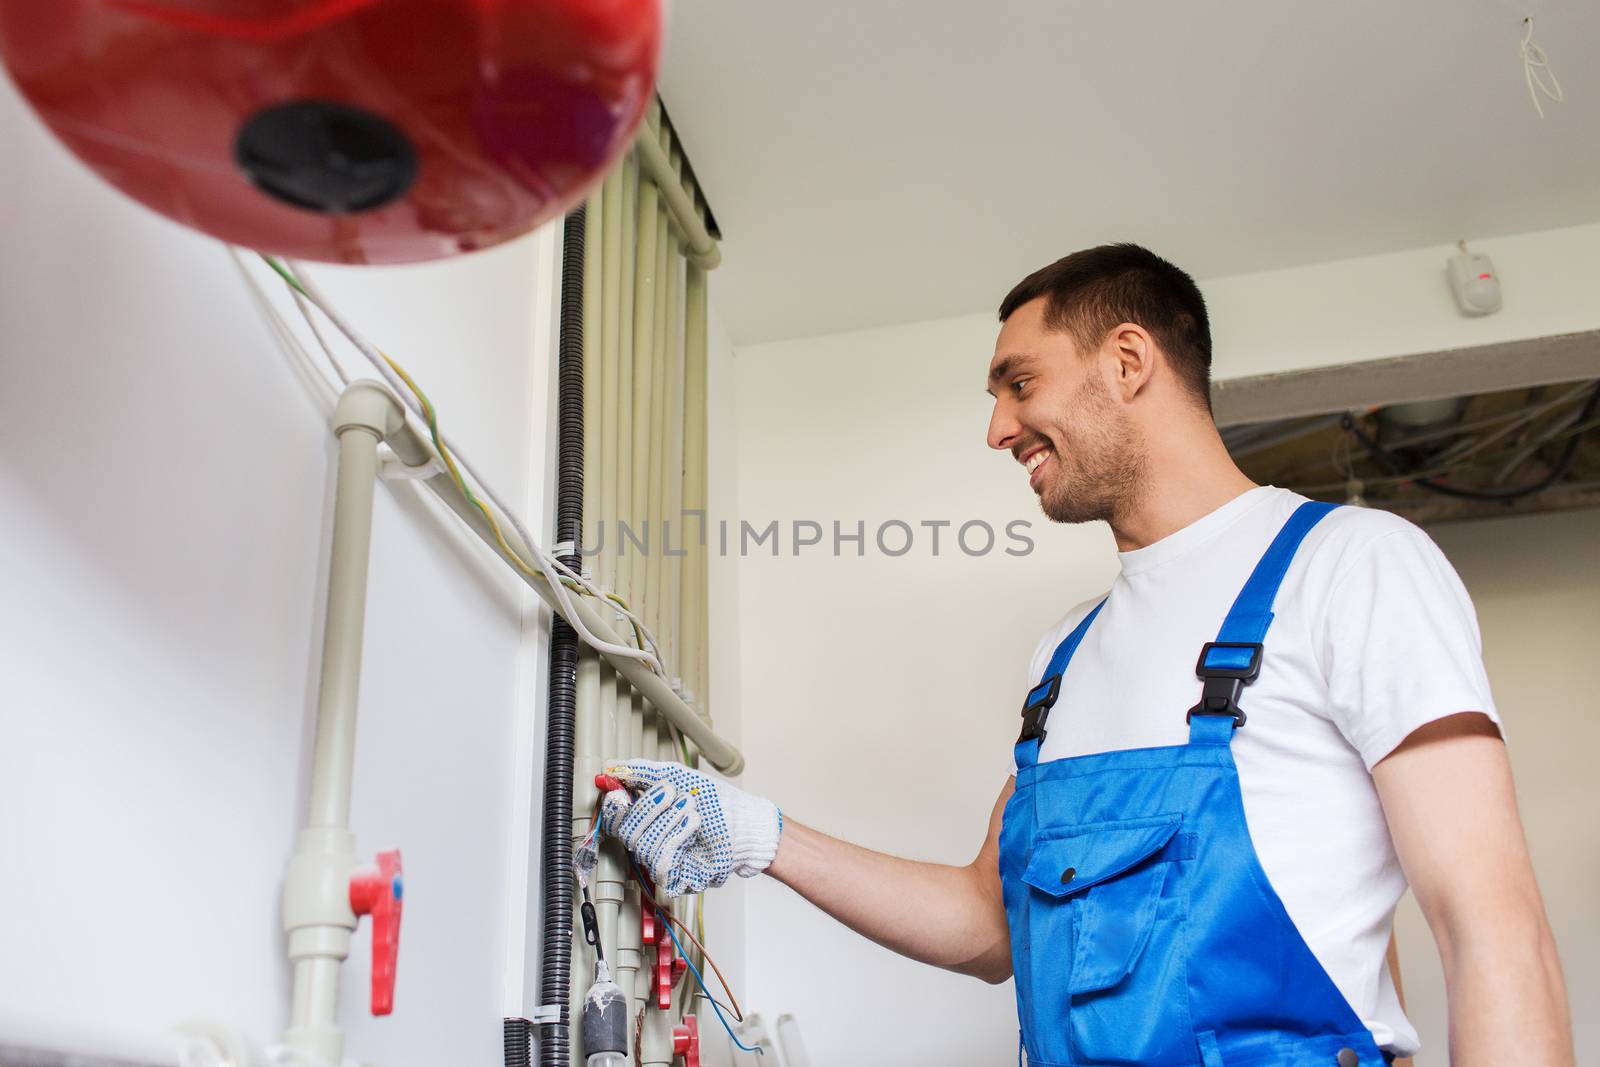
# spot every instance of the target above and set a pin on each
(326, 157)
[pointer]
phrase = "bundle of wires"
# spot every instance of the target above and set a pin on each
(560, 577)
(716, 1005)
(1572, 428)
(666, 921)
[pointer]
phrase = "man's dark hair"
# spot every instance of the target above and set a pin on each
(1091, 292)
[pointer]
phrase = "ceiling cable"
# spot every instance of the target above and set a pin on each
(1536, 68)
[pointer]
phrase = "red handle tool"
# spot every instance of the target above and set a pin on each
(686, 1041)
(669, 967)
(377, 891)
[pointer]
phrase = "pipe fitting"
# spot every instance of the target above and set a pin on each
(368, 405)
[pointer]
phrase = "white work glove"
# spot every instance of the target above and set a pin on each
(687, 829)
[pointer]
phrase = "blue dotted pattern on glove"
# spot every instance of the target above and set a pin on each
(677, 828)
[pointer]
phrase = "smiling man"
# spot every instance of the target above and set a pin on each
(1230, 765)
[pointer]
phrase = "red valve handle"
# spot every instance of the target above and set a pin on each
(377, 891)
(686, 1041)
(665, 974)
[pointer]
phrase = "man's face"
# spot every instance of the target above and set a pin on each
(1054, 412)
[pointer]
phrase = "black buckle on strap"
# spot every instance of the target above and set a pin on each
(1225, 679)
(1036, 708)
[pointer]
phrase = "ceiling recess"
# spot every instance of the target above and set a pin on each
(1462, 456)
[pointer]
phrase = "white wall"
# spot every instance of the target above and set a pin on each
(725, 909)
(880, 694)
(165, 510)
(1536, 583)
(1397, 304)
(1374, 307)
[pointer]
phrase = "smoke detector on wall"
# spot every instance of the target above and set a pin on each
(1473, 282)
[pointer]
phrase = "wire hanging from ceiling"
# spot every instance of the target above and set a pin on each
(1536, 69)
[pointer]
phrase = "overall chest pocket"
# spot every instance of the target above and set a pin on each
(1108, 974)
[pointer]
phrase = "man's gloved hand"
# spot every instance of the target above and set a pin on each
(688, 830)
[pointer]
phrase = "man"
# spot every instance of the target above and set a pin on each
(1194, 870)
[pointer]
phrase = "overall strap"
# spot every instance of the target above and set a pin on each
(1042, 697)
(1233, 660)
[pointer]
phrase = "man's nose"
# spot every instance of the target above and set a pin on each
(1003, 426)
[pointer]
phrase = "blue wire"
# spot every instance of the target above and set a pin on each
(701, 982)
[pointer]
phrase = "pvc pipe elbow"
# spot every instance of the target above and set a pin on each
(368, 405)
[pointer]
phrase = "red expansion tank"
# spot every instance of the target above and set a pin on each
(356, 131)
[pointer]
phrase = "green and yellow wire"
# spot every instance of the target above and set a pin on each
(431, 415)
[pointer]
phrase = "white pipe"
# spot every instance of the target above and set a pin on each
(661, 356)
(702, 247)
(628, 947)
(414, 451)
(612, 877)
(646, 299)
(360, 421)
(656, 691)
(655, 1047)
(692, 610)
(672, 465)
(316, 897)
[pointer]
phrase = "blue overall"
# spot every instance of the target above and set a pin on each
(1143, 929)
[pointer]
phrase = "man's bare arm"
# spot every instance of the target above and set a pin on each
(1452, 811)
(951, 917)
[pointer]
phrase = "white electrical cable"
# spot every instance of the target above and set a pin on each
(1536, 68)
(311, 321)
(288, 340)
(553, 569)
(1527, 452)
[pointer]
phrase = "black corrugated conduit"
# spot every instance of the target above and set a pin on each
(518, 1036)
(555, 972)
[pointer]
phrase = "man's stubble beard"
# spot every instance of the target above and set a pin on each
(1103, 472)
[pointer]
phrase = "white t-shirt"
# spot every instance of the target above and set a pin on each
(1373, 636)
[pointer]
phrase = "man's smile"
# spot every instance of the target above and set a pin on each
(1034, 460)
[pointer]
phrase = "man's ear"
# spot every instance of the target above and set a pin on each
(1133, 352)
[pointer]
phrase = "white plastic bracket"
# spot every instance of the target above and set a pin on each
(391, 468)
(546, 1015)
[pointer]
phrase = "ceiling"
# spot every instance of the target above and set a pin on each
(893, 160)
(1480, 455)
